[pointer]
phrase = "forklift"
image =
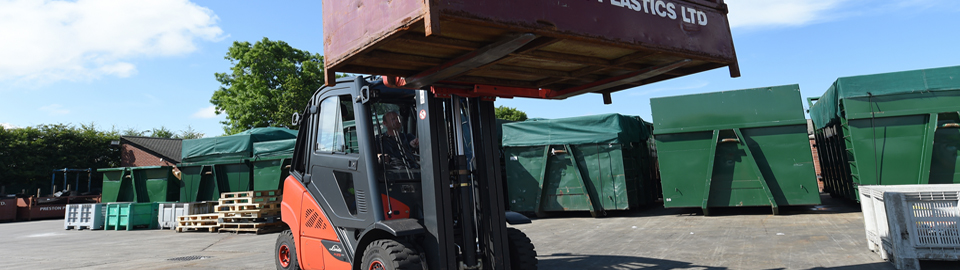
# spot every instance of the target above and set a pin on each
(392, 178)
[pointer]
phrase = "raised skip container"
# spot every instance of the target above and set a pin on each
(735, 148)
(536, 48)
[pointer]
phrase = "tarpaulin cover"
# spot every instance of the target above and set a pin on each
(274, 148)
(827, 107)
(602, 128)
(237, 145)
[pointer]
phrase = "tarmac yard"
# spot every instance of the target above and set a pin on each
(830, 236)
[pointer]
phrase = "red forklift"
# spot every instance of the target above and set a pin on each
(402, 171)
(389, 178)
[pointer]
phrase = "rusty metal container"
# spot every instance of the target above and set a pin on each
(535, 48)
(8, 209)
(30, 208)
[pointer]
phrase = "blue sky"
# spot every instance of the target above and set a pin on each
(146, 64)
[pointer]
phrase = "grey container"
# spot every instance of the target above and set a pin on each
(84, 216)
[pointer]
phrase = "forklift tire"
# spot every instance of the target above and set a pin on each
(522, 253)
(389, 254)
(286, 252)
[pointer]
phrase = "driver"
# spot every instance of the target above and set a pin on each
(395, 142)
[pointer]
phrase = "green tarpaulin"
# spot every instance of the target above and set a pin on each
(602, 128)
(827, 108)
(274, 148)
(239, 145)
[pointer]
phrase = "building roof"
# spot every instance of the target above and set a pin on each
(168, 149)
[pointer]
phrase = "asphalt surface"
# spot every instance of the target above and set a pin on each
(822, 237)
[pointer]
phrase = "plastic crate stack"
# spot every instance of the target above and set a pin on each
(250, 211)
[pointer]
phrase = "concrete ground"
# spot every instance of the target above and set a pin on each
(823, 237)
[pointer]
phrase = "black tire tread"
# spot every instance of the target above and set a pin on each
(397, 254)
(294, 263)
(523, 255)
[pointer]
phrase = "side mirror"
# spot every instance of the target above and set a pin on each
(296, 119)
(364, 95)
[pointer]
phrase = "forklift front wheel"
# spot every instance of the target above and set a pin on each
(388, 254)
(523, 255)
(286, 252)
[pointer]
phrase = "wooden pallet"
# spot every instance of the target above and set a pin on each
(259, 213)
(254, 230)
(249, 200)
(210, 228)
(256, 227)
(246, 221)
(262, 193)
(271, 206)
(201, 222)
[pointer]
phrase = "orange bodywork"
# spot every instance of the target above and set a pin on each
(309, 226)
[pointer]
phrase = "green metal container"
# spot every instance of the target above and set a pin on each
(198, 183)
(591, 163)
(235, 176)
(117, 185)
(268, 174)
(734, 148)
(255, 159)
(131, 216)
(889, 129)
(155, 184)
(271, 161)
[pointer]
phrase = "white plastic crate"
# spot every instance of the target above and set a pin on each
(84, 216)
(908, 223)
(169, 212)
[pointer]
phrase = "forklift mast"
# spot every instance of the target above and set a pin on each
(374, 162)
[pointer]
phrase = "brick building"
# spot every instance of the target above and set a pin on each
(149, 151)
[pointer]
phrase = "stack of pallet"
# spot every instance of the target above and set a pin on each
(198, 222)
(250, 211)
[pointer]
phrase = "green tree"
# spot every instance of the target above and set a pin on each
(162, 132)
(133, 132)
(511, 114)
(29, 155)
(269, 81)
(189, 133)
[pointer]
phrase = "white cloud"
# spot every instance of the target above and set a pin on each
(772, 13)
(55, 109)
(8, 126)
(206, 113)
(48, 41)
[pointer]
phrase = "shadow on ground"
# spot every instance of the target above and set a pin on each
(560, 261)
(828, 206)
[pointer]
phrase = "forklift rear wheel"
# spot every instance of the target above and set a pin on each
(388, 254)
(522, 253)
(286, 252)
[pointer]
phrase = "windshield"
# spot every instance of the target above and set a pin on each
(395, 137)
